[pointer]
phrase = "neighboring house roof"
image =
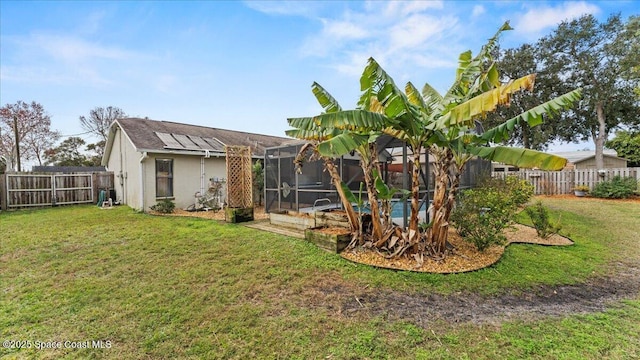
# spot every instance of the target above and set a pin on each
(579, 156)
(166, 136)
(68, 169)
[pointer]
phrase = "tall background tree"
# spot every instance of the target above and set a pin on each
(599, 58)
(627, 145)
(3, 164)
(98, 122)
(631, 61)
(68, 153)
(514, 64)
(25, 133)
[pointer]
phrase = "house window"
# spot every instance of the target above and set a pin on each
(164, 178)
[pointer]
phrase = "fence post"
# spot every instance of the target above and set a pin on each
(3, 192)
(94, 187)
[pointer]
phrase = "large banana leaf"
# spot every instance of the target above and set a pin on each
(415, 97)
(376, 83)
(487, 80)
(328, 103)
(304, 123)
(469, 69)
(533, 117)
(432, 98)
(488, 101)
(342, 144)
(353, 120)
(523, 158)
(313, 135)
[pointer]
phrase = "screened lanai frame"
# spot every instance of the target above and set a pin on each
(312, 190)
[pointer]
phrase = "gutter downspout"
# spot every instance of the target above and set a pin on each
(142, 159)
(202, 174)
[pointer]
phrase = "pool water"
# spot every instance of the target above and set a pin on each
(396, 209)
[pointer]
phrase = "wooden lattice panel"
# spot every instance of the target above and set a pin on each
(239, 177)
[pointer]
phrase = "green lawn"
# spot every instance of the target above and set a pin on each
(168, 287)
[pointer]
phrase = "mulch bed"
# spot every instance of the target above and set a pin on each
(465, 257)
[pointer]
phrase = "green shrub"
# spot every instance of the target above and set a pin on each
(484, 212)
(541, 221)
(482, 215)
(616, 188)
(519, 191)
(164, 206)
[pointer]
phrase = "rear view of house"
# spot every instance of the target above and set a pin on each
(153, 160)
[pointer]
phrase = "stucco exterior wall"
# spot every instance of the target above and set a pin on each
(123, 161)
(187, 174)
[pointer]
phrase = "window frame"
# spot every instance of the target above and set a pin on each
(159, 162)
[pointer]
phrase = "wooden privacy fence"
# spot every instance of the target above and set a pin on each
(19, 190)
(563, 182)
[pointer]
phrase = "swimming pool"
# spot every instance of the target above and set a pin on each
(396, 208)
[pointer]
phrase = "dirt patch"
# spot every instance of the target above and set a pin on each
(346, 300)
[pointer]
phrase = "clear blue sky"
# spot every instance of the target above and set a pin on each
(245, 65)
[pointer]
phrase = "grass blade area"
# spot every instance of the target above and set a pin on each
(169, 287)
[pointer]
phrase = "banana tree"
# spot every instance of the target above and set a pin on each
(335, 137)
(475, 93)
(441, 124)
(447, 120)
(406, 114)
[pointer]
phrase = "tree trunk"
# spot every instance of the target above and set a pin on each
(415, 195)
(443, 236)
(17, 136)
(337, 182)
(367, 168)
(599, 139)
(453, 190)
(438, 232)
(526, 133)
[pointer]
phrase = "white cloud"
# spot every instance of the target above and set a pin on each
(478, 10)
(344, 30)
(404, 8)
(540, 18)
(353, 65)
(418, 30)
(435, 60)
(392, 32)
(60, 59)
(74, 50)
(287, 8)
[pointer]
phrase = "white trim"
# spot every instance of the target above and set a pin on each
(142, 178)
